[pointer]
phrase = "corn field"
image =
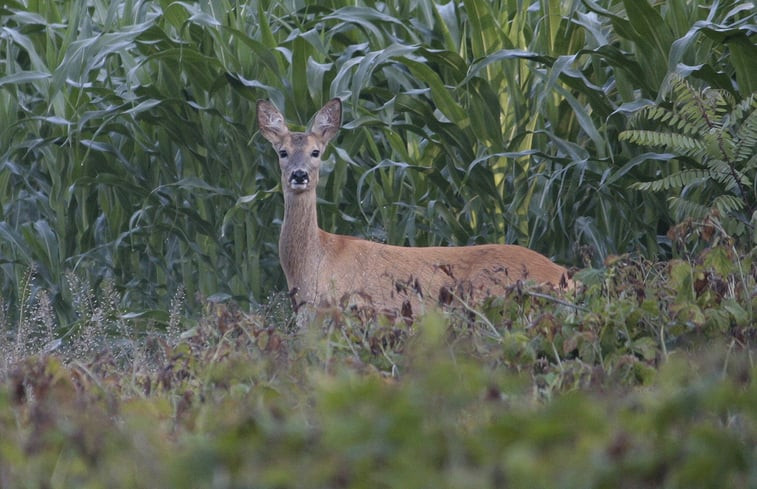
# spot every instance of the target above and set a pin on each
(129, 159)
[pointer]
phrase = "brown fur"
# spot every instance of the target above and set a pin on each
(328, 269)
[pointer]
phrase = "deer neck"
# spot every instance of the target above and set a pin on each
(300, 248)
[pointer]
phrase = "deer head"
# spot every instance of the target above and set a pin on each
(299, 152)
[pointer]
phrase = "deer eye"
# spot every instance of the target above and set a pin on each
(283, 153)
(316, 153)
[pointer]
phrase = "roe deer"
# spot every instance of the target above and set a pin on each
(325, 269)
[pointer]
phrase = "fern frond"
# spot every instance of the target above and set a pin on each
(677, 143)
(746, 135)
(682, 91)
(675, 180)
(683, 208)
(726, 174)
(705, 109)
(692, 104)
(751, 164)
(657, 113)
(717, 103)
(743, 109)
(673, 120)
(728, 204)
(719, 144)
(719, 138)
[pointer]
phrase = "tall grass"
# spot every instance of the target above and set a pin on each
(128, 154)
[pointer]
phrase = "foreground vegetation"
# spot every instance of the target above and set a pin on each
(647, 382)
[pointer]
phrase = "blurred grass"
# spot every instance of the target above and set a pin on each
(650, 383)
(128, 153)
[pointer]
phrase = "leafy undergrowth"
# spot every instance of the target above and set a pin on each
(647, 381)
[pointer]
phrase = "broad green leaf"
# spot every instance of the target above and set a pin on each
(439, 92)
(649, 26)
(23, 77)
(484, 33)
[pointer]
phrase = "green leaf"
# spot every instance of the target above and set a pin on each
(484, 33)
(651, 30)
(441, 95)
(23, 77)
(681, 280)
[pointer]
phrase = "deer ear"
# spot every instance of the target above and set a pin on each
(328, 120)
(271, 122)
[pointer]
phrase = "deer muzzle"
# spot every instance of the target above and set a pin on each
(299, 180)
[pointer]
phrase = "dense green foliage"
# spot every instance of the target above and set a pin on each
(712, 146)
(140, 216)
(649, 383)
(128, 153)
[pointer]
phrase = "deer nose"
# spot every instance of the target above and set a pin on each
(299, 179)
